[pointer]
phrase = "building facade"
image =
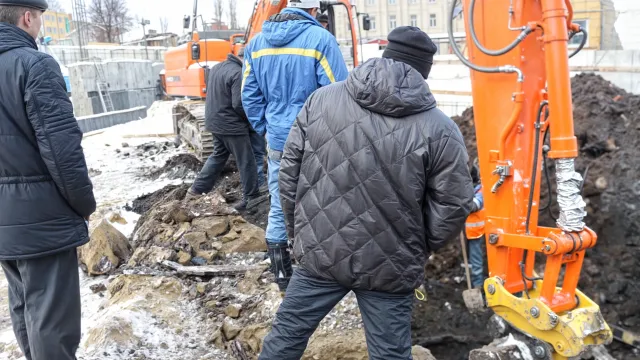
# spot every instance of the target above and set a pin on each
(429, 15)
(599, 18)
(57, 25)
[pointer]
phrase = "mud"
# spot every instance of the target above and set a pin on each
(179, 166)
(607, 125)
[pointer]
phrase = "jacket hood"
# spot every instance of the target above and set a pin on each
(390, 88)
(282, 28)
(12, 37)
(235, 59)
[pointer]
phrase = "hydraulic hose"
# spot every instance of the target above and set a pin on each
(582, 43)
(484, 69)
(526, 31)
(534, 172)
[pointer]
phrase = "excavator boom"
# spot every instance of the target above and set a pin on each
(521, 95)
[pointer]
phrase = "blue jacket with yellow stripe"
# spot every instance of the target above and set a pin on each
(291, 58)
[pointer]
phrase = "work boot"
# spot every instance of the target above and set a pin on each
(191, 195)
(251, 202)
(281, 264)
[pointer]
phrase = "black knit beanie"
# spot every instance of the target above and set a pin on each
(411, 46)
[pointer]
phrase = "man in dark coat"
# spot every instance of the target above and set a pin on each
(373, 179)
(232, 134)
(45, 191)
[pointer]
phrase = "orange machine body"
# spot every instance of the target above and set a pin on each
(505, 114)
(185, 77)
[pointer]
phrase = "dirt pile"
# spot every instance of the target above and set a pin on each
(607, 125)
(178, 167)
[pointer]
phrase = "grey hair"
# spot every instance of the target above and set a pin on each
(11, 14)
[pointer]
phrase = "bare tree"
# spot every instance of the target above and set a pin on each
(233, 16)
(110, 19)
(55, 5)
(218, 11)
(164, 25)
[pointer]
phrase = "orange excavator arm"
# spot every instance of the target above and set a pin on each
(522, 91)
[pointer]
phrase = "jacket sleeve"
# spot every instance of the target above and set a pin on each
(478, 200)
(253, 101)
(59, 137)
(236, 96)
(290, 169)
(449, 195)
(331, 67)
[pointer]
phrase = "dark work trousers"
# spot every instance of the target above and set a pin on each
(259, 146)
(243, 150)
(44, 300)
(386, 317)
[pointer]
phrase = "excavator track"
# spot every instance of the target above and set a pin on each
(189, 126)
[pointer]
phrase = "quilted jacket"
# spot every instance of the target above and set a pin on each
(45, 191)
(373, 179)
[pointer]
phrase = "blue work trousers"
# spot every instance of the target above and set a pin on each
(476, 260)
(276, 229)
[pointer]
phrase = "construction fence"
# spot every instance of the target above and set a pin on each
(68, 54)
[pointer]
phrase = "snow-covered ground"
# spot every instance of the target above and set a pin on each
(116, 182)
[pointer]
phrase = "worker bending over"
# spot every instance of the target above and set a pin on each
(46, 196)
(291, 58)
(474, 231)
(232, 134)
(373, 179)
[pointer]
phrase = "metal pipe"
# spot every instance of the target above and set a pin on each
(525, 31)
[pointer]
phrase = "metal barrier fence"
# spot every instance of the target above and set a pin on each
(453, 108)
(71, 54)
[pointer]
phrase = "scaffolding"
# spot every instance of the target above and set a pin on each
(80, 17)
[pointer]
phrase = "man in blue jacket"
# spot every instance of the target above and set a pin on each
(291, 58)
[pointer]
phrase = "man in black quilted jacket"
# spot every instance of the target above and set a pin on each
(373, 179)
(46, 196)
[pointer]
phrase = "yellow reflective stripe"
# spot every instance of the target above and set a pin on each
(300, 52)
(327, 69)
(245, 75)
(476, 224)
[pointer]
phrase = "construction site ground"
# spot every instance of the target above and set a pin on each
(136, 307)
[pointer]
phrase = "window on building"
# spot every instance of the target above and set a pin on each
(55, 31)
(413, 1)
(432, 1)
(392, 22)
(414, 20)
(372, 20)
(432, 20)
(59, 19)
(371, 2)
(392, 2)
(49, 30)
(577, 38)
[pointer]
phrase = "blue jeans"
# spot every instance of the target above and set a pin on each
(276, 230)
(386, 318)
(476, 260)
(259, 151)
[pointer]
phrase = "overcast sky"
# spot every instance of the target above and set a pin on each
(628, 26)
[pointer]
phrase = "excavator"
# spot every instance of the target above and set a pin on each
(519, 60)
(187, 66)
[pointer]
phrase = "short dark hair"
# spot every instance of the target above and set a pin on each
(11, 14)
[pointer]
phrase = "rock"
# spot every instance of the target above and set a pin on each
(249, 284)
(199, 261)
(233, 310)
(244, 237)
(217, 339)
(601, 183)
(201, 288)
(183, 258)
(230, 329)
(180, 215)
(211, 304)
(212, 225)
(198, 241)
(106, 250)
(117, 218)
(96, 288)
(420, 353)
(208, 256)
(151, 256)
(253, 335)
(124, 145)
